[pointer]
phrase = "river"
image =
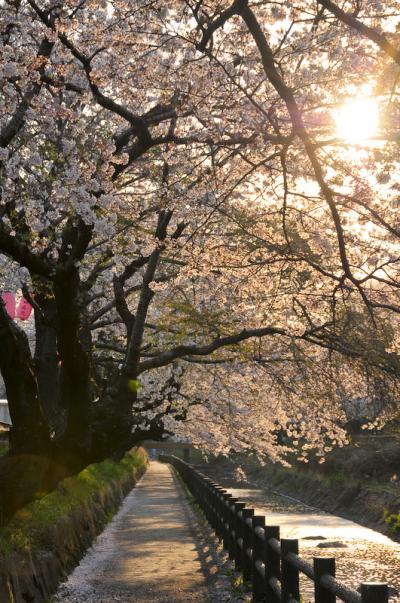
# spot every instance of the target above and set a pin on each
(362, 554)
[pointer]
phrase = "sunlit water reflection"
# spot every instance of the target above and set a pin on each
(362, 554)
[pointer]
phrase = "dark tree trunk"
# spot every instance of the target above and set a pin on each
(46, 359)
(75, 374)
(30, 432)
(113, 417)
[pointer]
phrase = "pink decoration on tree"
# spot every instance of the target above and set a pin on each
(24, 309)
(9, 300)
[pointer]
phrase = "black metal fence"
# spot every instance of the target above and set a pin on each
(272, 565)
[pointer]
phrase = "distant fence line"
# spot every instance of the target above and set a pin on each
(272, 565)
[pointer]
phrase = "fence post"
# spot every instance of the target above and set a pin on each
(323, 565)
(210, 504)
(258, 581)
(374, 592)
(290, 574)
(229, 517)
(272, 562)
(219, 498)
(237, 552)
(206, 489)
(225, 536)
(246, 534)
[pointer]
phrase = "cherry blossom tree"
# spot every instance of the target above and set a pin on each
(201, 247)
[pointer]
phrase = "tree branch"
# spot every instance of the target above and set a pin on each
(17, 121)
(193, 350)
(366, 31)
(21, 253)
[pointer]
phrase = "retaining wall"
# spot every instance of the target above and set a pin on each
(35, 565)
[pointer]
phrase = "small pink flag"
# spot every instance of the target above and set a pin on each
(24, 309)
(9, 300)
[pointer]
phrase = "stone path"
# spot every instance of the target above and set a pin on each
(146, 554)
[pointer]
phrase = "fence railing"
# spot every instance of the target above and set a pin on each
(272, 565)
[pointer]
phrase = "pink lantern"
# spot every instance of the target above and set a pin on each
(24, 309)
(9, 300)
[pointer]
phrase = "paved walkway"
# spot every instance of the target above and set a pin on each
(147, 553)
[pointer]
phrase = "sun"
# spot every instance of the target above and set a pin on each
(357, 122)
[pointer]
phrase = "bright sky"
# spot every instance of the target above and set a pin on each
(357, 121)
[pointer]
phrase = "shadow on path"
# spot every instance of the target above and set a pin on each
(149, 553)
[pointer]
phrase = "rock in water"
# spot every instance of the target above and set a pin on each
(335, 544)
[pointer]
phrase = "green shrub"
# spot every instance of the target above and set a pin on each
(392, 521)
(29, 528)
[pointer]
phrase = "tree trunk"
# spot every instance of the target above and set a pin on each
(30, 431)
(46, 359)
(75, 374)
(113, 418)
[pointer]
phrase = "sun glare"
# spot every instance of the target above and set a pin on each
(357, 121)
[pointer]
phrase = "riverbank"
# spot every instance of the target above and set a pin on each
(365, 499)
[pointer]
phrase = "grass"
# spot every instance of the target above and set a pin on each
(392, 521)
(31, 527)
